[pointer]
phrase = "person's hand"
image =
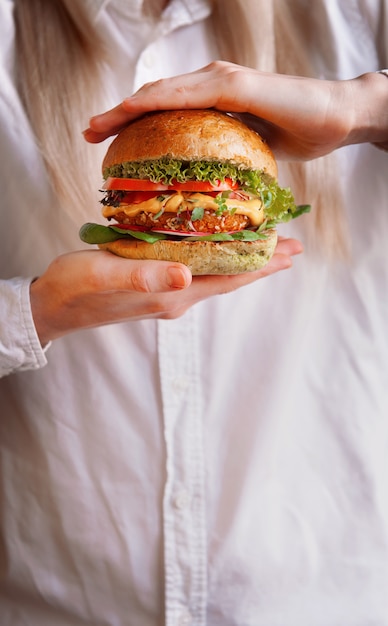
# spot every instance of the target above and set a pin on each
(91, 288)
(301, 118)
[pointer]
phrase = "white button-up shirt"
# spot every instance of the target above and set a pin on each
(228, 468)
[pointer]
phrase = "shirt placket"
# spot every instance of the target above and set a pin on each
(184, 495)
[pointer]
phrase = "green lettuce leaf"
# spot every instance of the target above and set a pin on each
(96, 233)
(279, 202)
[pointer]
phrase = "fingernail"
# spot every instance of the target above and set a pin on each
(176, 278)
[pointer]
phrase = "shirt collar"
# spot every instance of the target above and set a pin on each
(196, 9)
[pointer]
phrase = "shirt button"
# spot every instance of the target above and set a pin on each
(180, 384)
(181, 500)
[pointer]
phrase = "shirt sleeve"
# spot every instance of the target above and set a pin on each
(20, 348)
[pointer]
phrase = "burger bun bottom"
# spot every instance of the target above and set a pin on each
(202, 257)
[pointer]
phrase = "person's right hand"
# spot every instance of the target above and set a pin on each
(92, 288)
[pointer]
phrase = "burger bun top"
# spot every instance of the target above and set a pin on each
(191, 135)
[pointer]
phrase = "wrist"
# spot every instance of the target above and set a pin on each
(37, 311)
(383, 145)
(370, 103)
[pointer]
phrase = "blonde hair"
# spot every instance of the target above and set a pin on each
(59, 59)
(58, 62)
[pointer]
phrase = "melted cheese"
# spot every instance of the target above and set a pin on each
(182, 201)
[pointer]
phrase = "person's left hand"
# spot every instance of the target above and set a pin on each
(297, 116)
(301, 118)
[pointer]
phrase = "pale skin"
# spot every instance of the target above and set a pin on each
(301, 119)
(92, 288)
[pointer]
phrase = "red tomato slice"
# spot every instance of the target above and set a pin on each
(166, 231)
(134, 197)
(134, 184)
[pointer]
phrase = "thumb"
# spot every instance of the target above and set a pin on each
(144, 276)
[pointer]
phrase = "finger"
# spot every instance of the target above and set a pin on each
(173, 93)
(111, 122)
(107, 124)
(157, 277)
(288, 246)
(154, 276)
(112, 273)
(160, 276)
(117, 274)
(207, 286)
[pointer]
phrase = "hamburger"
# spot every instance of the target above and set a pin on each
(193, 186)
